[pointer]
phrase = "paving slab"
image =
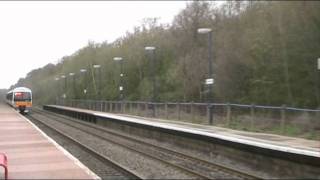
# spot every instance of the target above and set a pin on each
(32, 154)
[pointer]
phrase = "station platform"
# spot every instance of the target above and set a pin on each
(268, 141)
(32, 154)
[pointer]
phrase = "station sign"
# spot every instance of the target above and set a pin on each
(210, 81)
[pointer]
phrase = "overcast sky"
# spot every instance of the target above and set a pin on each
(33, 34)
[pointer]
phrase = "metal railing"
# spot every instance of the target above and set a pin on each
(268, 119)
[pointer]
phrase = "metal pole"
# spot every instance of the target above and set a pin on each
(74, 87)
(153, 68)
(154, 76)
(57, 94)
(65, 85)
(317, 82)
(210, 64)
(153, 83)
(86, 85)
(121, 80)
(61, 87)
(100, 84)
(210, 97)
(58, 89)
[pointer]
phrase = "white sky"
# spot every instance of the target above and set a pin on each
(33, 34)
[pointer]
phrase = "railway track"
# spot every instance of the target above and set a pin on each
(110, 168)
(194, 166)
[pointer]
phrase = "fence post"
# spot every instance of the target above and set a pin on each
(228, 114)
(124, 104)
(110, 107)
(130, 108)
(283, 117)
(252, 116)
(154, 110)
(179, 111)
(146, 109)
(192, 111)
(166, 110)
(139, 109)
(209, 113)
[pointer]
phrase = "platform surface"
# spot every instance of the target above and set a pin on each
(271, 141)
(33, 155)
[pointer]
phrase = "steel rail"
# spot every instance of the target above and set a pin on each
(204, 163)
(181, 168)
(131, 174)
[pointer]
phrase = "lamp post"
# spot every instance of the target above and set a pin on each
(65, 85)
(209, 80)
(317, 81)
(73, 84)
(57, 95)
(152, 64)
(121, 76)
(97, 66)
(83, 71)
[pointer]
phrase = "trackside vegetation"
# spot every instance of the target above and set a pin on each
(263, 53)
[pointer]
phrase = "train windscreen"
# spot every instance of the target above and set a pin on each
(22, 96)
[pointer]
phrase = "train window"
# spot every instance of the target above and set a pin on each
(22, 96)
(9, 96)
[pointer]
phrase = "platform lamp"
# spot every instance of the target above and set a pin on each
(57, 94)
(152, 64)
(73, 83)
(97, 66)
(65, 86)
(83, 71)
(121, 89)
(209, 80)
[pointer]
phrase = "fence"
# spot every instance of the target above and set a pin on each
(284, 120)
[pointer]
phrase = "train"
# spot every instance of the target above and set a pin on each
(20, 98)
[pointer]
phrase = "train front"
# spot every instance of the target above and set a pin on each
(23, 101)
